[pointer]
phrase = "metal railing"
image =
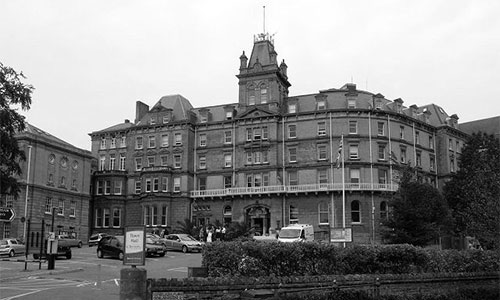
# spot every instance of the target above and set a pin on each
(304, 188)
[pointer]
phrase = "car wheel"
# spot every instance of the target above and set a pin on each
(12, 253)
(80, 245)
(162, 254)
(120, 256)
(99, 254)
(184, 249)
(68, 255)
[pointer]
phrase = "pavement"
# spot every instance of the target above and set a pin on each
(16, 269)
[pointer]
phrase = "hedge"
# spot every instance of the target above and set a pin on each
(254, 259)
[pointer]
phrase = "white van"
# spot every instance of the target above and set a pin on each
(296, 233)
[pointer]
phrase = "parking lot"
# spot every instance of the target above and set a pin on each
(84, 272)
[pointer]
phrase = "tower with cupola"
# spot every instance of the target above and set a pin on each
(262, 81)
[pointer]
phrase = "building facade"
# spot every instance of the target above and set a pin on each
(55, 187)
(330, 158)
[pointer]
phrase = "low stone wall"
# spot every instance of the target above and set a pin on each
(267, 287)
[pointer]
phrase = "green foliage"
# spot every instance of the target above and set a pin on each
(14, 94)
(187, 227)
(238, 230)
(419, 213)
(254, 259)
(491, 293)
(474, 192)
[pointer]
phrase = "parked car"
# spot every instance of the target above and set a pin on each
(95, 238)
(155, 247)
(66, 240)
(11, 247)
(111, 246)
(183, 242)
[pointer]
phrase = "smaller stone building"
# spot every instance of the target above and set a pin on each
(55, 185)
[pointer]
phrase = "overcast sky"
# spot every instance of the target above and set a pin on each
(91, 60)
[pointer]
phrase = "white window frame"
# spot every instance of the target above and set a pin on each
(202, 162)
(164, 140)
(139, 142)
(203, 139)
(228, 137)
(151, 141)
(292, 131)
(177, 161)
(323, 210)
(72, 208)
(353, 127)
(228, 160)
(122, 161)
(177, 184)
(117, 187)
(178, 138)
(292, 154)
(138, 163)
(322, 152)
(138, 186)
(353, 151)
(321, 128)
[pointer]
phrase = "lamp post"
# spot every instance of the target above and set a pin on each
(27, 192)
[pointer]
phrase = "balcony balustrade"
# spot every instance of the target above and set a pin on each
(305, 188)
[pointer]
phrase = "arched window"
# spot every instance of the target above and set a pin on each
(323, 212)
(383, 211)
(355, 212)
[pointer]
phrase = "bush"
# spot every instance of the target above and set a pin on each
(253, 259)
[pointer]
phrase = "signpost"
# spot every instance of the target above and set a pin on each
(135, 246)
(7, 214)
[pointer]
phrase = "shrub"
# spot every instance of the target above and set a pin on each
(253, 258)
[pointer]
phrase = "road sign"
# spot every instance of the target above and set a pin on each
(7, 214)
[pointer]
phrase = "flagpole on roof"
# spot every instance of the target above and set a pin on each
(343, 186)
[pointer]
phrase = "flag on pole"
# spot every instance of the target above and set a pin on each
(339, 154)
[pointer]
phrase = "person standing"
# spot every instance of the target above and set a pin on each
(209, 235)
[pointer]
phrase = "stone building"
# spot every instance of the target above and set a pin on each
(55, 186)
(270, 159)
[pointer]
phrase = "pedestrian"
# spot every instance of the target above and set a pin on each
(209, 235)
(202, 234)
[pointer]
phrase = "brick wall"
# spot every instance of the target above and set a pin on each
(378, 284)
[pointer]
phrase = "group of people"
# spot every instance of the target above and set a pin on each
(212, 233)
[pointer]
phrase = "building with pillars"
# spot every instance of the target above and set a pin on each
(269, 159)
(55, 187)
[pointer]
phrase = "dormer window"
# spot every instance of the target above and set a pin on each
(351, 103)
(103, 143)
(203, 118)
(229, 115)
(152, 121)
(166, 119)
(292, 108)
(378, 104)
(321, 104)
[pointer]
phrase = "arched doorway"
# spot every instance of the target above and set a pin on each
(259, 218)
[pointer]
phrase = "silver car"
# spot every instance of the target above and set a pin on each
(11, 247)
(182, 242)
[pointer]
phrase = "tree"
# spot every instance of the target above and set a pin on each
(474, 191)
(186, 226)
(14, 94)
(419, 213)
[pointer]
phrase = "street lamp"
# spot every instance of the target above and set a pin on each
(27, 192)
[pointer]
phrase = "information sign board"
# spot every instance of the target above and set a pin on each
(135, 246)
(340, 235)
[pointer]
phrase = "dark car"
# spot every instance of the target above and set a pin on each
(111, 246)
(95, 238)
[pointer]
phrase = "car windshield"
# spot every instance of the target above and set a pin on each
(119, 238)
(289, 233)
(186, 238)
